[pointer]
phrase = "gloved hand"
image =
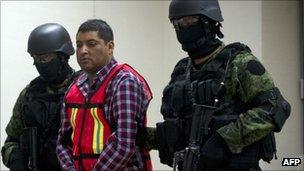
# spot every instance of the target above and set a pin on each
(17, 162)
(150, 138)
(215, 152)
(145, 138)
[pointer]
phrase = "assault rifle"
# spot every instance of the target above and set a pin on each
(29, 144)
(199, 129)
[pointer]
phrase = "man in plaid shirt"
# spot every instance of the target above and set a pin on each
(104, 109)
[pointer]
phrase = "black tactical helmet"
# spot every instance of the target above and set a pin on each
(209, 8)
(48, 38)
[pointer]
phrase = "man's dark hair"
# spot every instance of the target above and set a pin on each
(104, 30)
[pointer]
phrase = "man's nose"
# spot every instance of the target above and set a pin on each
(83, 50)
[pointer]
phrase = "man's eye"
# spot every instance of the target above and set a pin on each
(92, 43)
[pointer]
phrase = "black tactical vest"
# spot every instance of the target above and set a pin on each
(206, 85)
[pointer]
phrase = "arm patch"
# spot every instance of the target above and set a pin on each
(255, 67)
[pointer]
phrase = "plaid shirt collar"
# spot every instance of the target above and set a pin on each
(99, 76)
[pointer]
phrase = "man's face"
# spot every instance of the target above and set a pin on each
(92, 52)
(185, 22)
(50, 67)
(44, 58)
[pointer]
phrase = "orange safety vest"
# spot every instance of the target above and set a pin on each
(90, 128)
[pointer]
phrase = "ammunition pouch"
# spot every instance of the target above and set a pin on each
(204, 92)
(166, 108)
(169, 139)
(35, 113)
(178, 96)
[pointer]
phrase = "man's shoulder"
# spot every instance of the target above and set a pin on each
(34, 82)
(238, 47)
(242, 54)
(244, 58)
(126, 74)
(182, 62)
(180, 67)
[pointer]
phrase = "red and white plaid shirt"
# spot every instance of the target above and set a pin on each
(126, 104)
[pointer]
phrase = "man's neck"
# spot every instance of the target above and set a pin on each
(91, 78)
(208, 57)
(56, 87)
(91, 75)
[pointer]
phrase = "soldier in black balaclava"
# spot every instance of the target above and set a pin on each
(37, 109)
(198, 39)
(220, 107)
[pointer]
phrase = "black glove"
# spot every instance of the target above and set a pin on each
(215, 152)
(17, 161)
(150, 138)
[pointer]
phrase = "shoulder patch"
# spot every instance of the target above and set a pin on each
(255, 67)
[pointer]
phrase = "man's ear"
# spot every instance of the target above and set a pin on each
(111, 45)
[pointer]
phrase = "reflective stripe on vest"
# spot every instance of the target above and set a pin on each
(90, 128)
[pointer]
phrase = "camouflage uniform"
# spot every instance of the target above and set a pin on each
(221, 106)
(35, 96)
(249, 100)
(246, 84)
(33, 128)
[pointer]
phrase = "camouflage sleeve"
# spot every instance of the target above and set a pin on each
(13, 130)
(248, 79)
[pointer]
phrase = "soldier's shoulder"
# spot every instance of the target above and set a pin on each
(242, 55)
(183, 62)
(23, 96)
(238, 47)
(180, 68)
(37, 84)
(37, 80)
(29, 87)
(250, 64)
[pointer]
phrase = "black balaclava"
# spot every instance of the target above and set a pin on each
(55, 71)
(200, 40)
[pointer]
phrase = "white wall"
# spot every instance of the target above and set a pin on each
(281, 56)
(143, 38)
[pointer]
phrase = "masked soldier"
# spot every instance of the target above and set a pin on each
(221, 106)
(33, 128)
